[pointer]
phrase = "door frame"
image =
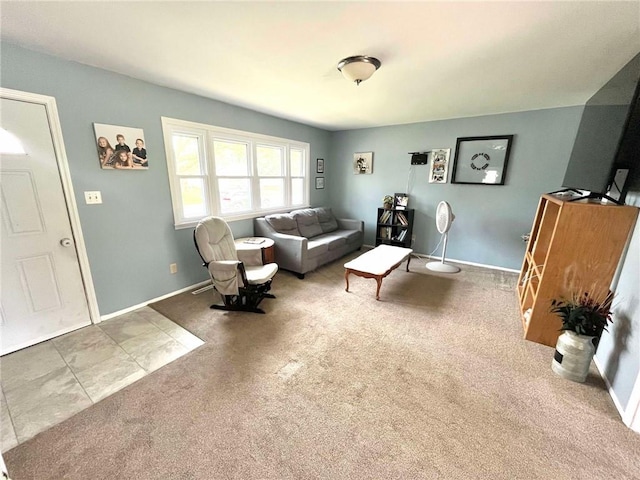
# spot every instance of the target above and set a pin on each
(55, 128)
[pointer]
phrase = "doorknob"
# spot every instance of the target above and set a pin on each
(66, 242)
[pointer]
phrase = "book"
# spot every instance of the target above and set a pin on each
(254, 241)
(384, 218)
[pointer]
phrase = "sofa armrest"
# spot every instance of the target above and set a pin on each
(350, 224)
(291, 250)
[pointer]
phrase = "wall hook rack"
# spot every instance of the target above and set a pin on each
(419, 158)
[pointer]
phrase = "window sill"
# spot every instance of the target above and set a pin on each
(243, 216)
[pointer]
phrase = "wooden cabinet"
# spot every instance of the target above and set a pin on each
(395, 227)
(575, 247)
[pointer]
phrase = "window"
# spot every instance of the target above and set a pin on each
(297, 158)
(190, 173)
(233, 174)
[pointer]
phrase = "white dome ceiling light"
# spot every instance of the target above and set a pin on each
(358, 68)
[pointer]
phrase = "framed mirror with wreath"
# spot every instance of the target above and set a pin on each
(481, 160)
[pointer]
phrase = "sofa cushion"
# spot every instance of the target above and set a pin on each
(326, 219)
(333, 240)
(351, 236)
(316, 247)
(307, 220)
(283, 223)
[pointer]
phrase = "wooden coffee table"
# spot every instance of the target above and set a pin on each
(377, 263)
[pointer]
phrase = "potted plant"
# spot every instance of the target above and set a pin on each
(584, 318)
(387, 201)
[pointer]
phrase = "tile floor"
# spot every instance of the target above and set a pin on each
(49, 382)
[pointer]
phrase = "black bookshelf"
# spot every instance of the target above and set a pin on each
(394, 227)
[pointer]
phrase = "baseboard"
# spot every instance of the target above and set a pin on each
(3, 468)
(632, 415)
(464, 262)
(153, 300)
(634, 421)
(612, 393)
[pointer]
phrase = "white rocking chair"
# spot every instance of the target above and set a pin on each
(242, 283)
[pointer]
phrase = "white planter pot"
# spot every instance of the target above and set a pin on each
(573, 356)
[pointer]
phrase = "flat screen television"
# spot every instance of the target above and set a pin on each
(608, 136)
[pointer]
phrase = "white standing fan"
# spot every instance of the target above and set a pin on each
(444, 218)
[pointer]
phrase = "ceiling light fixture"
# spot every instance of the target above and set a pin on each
(358, 68)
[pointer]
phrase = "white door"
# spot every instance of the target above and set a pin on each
(42, 289)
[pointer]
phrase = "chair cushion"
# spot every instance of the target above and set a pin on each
(250, 257)
(307, 220)
(215, 240)
(283, 223)
(257, 275)
(326, 219)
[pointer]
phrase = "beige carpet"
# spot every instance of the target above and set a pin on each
(433, 381)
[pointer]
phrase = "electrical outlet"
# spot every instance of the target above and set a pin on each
(92, 198)
(173, 268)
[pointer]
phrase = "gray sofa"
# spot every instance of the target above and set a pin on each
(310, 237)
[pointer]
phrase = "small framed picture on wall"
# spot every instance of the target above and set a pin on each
(400, 201)
(439, 165)
(363, 163)
(320, 165)
(319, 183)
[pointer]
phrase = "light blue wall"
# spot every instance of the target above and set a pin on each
(130, 238)
(619, 349)
(489, 219)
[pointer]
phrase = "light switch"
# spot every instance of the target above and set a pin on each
(93, 197)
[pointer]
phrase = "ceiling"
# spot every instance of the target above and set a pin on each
(439, 59)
